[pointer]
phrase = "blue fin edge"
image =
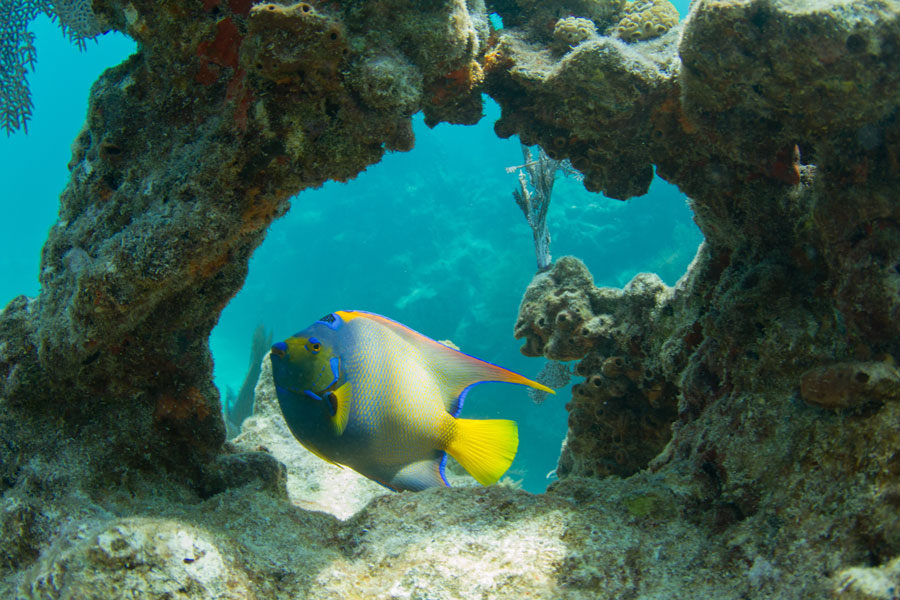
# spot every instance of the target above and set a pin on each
(461, 399)
(441, 469)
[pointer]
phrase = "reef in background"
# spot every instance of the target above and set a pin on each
(771, 358)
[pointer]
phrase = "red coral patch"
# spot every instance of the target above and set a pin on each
(223, 49)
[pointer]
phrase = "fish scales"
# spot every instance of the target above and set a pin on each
(363, 391)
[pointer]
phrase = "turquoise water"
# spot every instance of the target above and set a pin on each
(431, 238)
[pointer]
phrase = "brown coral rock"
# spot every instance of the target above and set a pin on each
(620, 415)
(850, 385)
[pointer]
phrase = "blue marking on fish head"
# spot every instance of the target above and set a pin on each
(303, 363)
(307, 365)
(332, 320)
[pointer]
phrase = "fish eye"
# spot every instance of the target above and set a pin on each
(313, 346)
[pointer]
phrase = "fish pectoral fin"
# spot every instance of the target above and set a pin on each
(485, 448)
(339, 403)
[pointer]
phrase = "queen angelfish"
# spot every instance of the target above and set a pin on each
(360, 390)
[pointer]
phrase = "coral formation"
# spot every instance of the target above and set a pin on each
(872, 583)
(146, 557)
(534, 16)
(850, 384)
(603, 125)
(553, 374)
(751, 406)
(646, 19)
(571, 31)
(294, 44)
(620, 415)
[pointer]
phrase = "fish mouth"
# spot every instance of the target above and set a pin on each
(279, 350)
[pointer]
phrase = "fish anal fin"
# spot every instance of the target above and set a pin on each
(419, 475)
(485, 448)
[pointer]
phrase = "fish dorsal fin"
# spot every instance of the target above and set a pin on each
(454, 370)
(340, 399)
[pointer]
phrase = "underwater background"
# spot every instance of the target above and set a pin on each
(431, 238)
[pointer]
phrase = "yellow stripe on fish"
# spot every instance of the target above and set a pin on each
(361, 390)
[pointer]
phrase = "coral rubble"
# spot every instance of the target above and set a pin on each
(734, 435)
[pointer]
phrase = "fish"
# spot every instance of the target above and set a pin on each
(363, 391)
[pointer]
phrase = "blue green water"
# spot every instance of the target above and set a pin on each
(431, 238)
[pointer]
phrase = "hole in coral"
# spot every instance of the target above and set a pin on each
(581, 163)
(760, 19)
(862, 377)
(110, 151)
(855, 43)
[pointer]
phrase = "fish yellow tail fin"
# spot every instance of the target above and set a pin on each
(485, 448)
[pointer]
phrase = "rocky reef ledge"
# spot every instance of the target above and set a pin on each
(735, 436)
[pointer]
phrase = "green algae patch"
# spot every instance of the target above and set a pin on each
(650, 505)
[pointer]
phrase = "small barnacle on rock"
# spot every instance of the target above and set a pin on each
(646, 19)
(571, 31)
(850, 384)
